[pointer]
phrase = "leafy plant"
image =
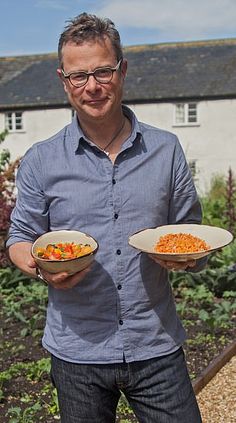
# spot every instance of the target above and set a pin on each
(7, 194)
(214, 202)
(219, 204)
(53, 405)
(17, 415)
(219, 316)
(29, 297)
(11, 277)
(24, 300)
(191, 298)
(31, 370)
(124, 410)
(230, 202)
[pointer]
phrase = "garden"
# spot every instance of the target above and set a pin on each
(206, 303)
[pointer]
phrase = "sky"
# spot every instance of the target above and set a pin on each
(34, 26)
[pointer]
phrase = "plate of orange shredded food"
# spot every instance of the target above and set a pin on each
(181, 242)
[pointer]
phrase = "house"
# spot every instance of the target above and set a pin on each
(188, 88)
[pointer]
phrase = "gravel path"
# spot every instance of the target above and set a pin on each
(217, 400)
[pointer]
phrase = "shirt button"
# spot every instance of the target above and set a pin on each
(119, 286)
(116, 215)
(121, 322)
(118, 252)
(113, 181)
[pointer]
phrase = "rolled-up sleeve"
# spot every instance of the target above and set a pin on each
(29, 218)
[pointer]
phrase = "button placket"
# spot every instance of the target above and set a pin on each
(117, 237)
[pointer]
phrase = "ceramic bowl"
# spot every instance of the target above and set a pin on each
(70, 266)
(215, 237)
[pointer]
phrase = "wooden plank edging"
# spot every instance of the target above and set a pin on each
(214, 367)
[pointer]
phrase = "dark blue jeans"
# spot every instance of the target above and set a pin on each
(159, 390)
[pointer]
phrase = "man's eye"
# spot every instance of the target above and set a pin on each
(103, 72)
(78, 76)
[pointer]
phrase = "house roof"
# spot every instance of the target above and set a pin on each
(156, 73)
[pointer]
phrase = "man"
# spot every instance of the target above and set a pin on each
(112, 327)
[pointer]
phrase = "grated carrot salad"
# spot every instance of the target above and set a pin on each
(180, 243)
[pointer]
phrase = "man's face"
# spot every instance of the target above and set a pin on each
(93, 100)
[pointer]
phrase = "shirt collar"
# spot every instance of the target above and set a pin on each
(77, 134)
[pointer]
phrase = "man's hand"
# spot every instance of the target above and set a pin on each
(60, 280)
(173, 265)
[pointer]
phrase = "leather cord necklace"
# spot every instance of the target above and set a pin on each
(113, 138)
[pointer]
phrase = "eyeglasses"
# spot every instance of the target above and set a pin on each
(102, 75)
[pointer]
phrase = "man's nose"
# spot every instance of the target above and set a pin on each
(91, 84)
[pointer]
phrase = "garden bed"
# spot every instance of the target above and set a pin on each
(26, 394)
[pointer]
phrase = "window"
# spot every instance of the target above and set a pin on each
(186, 113)
(13, 121)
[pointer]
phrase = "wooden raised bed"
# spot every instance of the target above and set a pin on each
(214, 367)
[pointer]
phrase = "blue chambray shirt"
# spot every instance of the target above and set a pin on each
(124, 307)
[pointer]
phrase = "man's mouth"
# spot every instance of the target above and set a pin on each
(96, 101)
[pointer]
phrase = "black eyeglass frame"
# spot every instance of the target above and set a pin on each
(93, 73)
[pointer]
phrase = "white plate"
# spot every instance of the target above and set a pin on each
(215, 237)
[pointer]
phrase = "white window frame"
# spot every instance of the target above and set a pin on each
(14, 121)
(189, 114)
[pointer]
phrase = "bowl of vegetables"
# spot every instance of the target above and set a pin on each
(64, 251)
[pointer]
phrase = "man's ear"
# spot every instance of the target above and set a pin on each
(59, 73)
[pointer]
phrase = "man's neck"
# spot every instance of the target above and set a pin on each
(102, 132)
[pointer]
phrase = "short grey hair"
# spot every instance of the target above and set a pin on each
(87, 27)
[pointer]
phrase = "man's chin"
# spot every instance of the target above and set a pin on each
(96, 112)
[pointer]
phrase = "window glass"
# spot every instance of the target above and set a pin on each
(8, 121)
(185, 113)
(179, 113)
(13, 121)
(192, 112)
(18, 120)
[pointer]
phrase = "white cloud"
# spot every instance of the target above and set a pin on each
(180, 18)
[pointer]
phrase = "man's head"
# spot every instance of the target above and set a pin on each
(92, 68)
(86, 27)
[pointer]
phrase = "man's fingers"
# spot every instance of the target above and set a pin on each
(173, 265)
(63, 280)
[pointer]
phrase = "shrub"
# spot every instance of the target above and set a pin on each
(7, 195)
(219, 204)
